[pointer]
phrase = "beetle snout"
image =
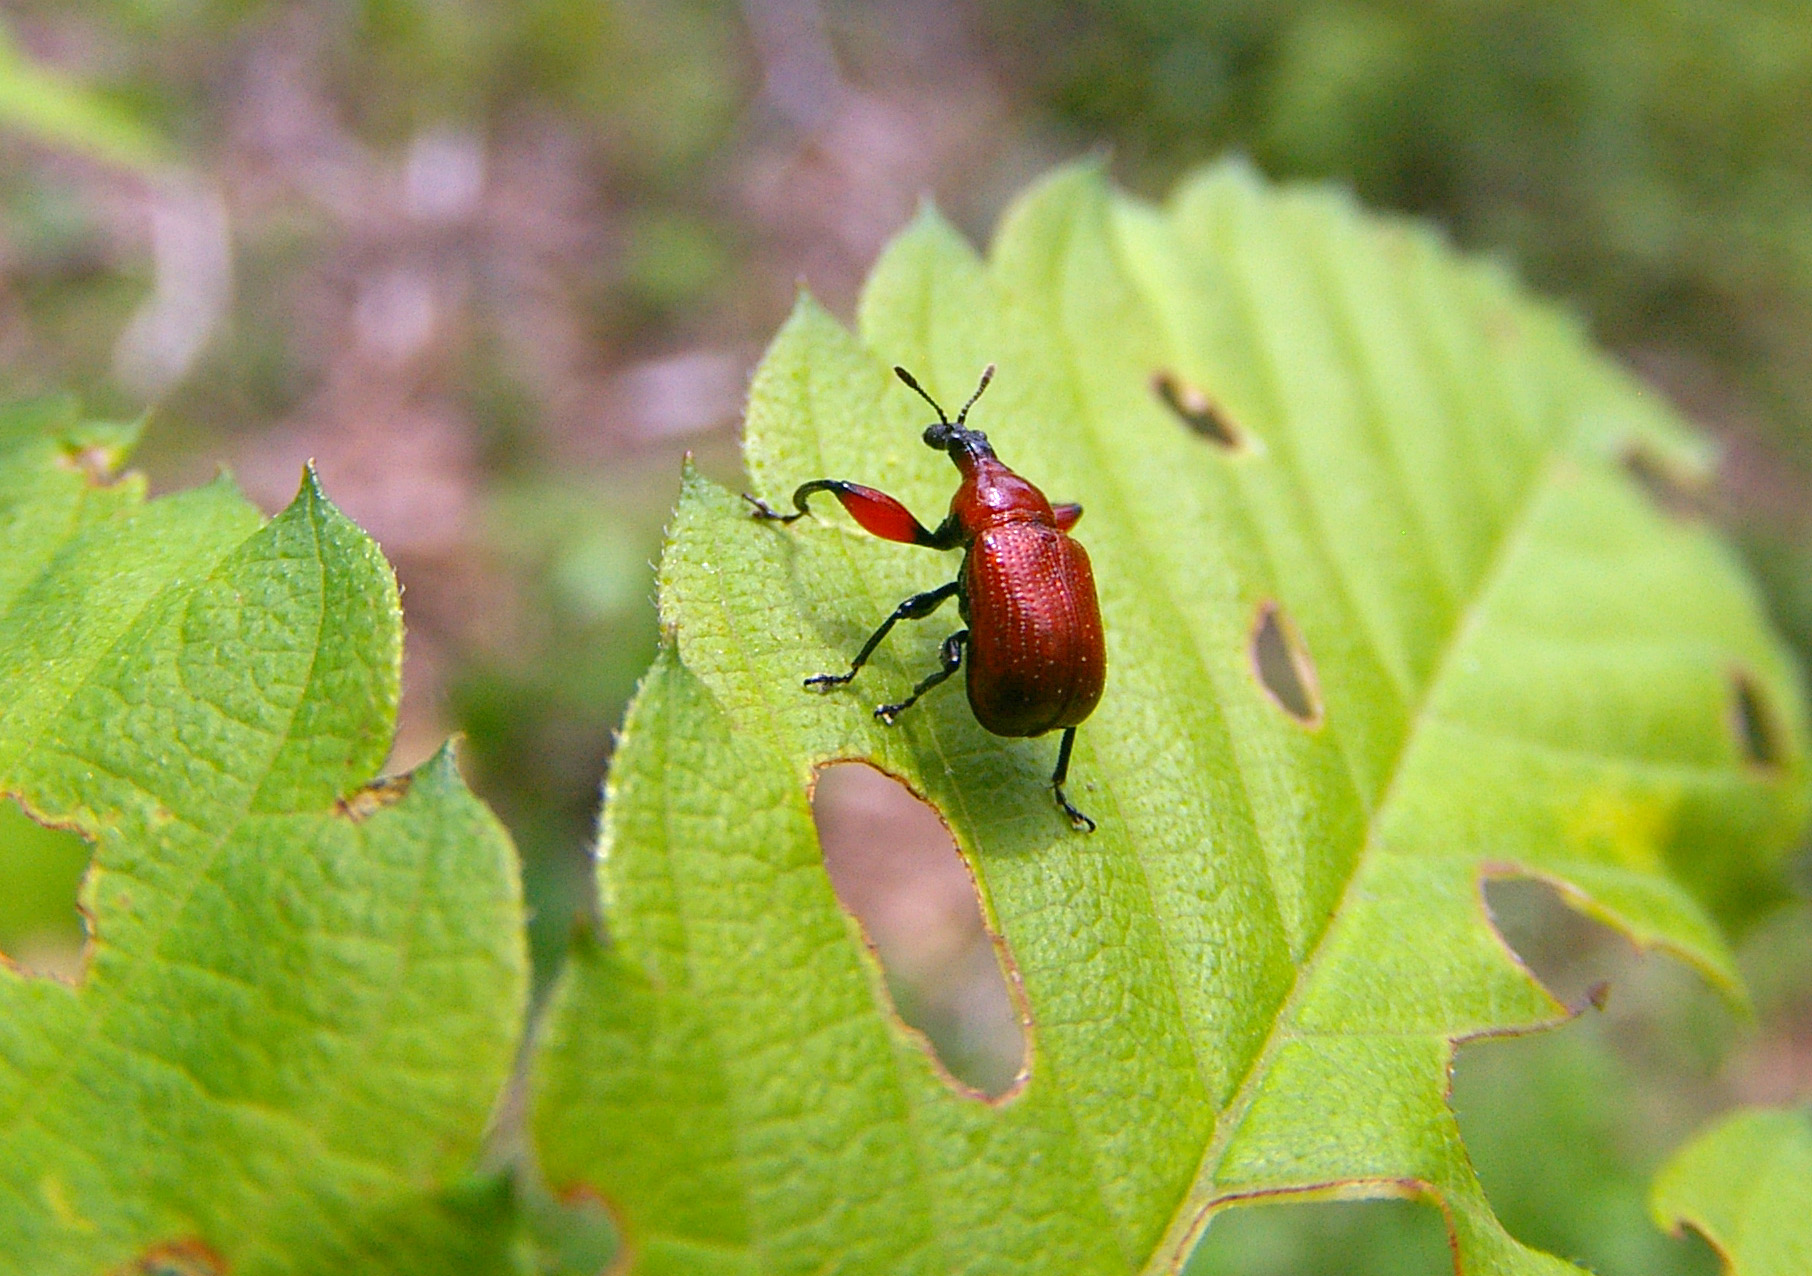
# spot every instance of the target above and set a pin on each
(938, 436)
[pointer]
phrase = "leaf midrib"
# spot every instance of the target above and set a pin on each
(1192, 1212)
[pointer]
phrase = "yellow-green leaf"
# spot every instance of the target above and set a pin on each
(302, 991)
(1746, 1185)
(1281, 415)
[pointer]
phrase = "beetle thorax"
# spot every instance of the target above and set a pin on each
(992, 495)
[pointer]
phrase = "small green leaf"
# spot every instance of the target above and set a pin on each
(1746, 1185)
(1314, 449)
(302, 992)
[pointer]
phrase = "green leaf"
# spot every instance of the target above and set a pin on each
(1746, 1185)
(1248, 983)
(302, 991)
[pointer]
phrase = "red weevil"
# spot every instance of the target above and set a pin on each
(1037, 659)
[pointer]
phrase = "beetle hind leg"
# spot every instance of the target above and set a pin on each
(950, 656)
(1078, 821)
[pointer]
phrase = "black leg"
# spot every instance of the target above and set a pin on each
(917, 607)
(1078, 820)
(951, 657)
(765, 511)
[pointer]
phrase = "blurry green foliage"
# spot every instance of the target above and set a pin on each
(1746, 1184)
(655, 78)
(1647, 158)
(1326, 1238)
(540, 715)
(57, 111)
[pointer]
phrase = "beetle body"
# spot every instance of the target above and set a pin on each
(1037, 659)
(1036, 655)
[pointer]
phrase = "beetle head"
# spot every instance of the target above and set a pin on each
(952, 436)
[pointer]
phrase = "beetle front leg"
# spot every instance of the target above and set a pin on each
(950, 656)
(1078, 820)
(917, 607)
(877, 512)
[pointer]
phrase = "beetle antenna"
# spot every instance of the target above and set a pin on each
(987, 376)
(912, 381)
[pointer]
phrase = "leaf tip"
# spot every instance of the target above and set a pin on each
(443, 768)
(807, 310)
(311, 483)
(312, 505)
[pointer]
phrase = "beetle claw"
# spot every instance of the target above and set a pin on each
(1078, 821)
(767, 512)
(889, 713)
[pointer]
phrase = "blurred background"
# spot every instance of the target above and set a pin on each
(495, 265)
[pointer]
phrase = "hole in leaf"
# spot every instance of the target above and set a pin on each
(574, 1231)
(1565, 1128)
(896, 868)
(179, 1258)
(1678, 491)
(1197, 411)
(1574, 956)
(41, 870)
(1291, 1238)
(96, 452)
(1752, 719)
(1282, 666)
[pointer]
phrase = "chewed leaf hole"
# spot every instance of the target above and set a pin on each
(1574, 956)
(896, 868)
(41, 870)
(1283, 667)
(588, 1227)
(179, 1258)
(1752, 719)
(96, 452)
(1197, 411)
(1290, 1237)
(1679, 492)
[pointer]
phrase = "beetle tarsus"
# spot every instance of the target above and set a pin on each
(950, 658)
(1078, 821)
(767, 513)
(825, 681)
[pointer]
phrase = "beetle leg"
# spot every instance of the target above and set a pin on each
(767, 512)
(951, 657)
(878, 513)
(917, 607)
(1078, 820)
(1066, 515)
